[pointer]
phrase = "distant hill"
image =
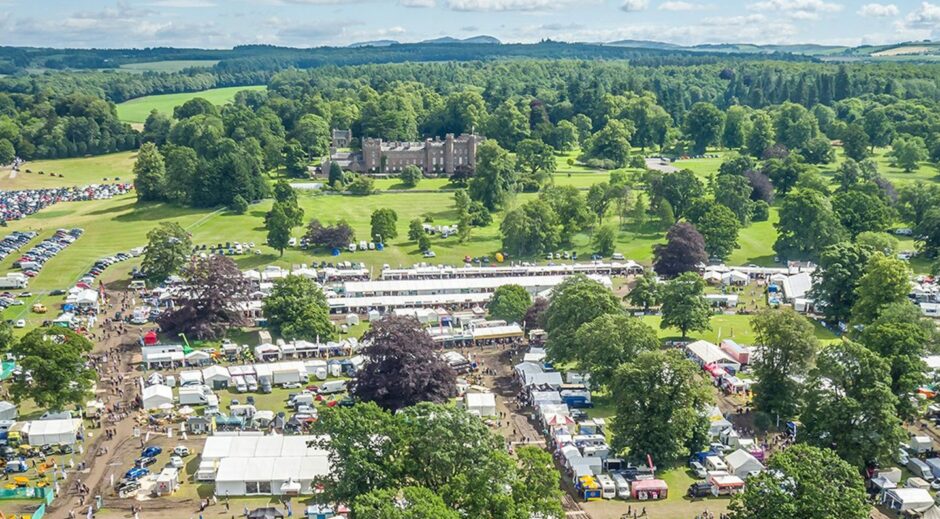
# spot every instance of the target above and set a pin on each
(644, 44)
(736, 48)
(473, 39)
(373, 43)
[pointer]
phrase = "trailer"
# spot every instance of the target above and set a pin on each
(14, 281)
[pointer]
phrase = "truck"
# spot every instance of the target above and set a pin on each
(333, 386)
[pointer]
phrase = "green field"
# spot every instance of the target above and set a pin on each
(76, 172)
(137, 110)
(166, 66)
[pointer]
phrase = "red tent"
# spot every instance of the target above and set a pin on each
(150, 338)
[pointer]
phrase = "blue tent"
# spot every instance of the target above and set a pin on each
(335, 252)
(379, 246)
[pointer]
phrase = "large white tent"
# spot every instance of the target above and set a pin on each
(156, 395)
(7, 410)
(481, 404)
(54, 432)
(265, 465)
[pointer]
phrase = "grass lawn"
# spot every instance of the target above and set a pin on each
(76, 172)
(926, 172)
(166, 66)
(137, 110)
(724, 326)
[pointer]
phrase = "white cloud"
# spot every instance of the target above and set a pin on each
(679, 5)
(755, 28)
(631, 6)
(926, 17)
(417, 3)
(879, 10)
(182, 4)
(798, 9)
(507, 5)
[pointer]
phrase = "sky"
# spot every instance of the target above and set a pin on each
(313, 23)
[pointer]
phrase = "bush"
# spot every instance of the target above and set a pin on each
(361, 186)
(760, 211)
(410, 176)
(239, 205)
(529, 184)
(479, 215)
(638, 162)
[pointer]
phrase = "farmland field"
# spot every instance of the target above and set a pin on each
(166, 66)
(137, 110)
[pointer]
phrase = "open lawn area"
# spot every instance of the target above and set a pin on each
(75, 172)
(137, 110)
(726, 326)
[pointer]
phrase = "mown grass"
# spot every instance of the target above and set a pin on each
(137, 110)
(80, 171)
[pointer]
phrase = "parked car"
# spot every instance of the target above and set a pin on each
(136, 473)
(292, 385)
(181, 451)
(176, 462)
(698, 469)
(145, 461)
(699, 489)
(126, 488)
(150, 452)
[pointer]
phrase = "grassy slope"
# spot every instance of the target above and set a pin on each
(137, 110)
(77, 172)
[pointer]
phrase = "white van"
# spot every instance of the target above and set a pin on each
(240, 384)
(608, 487)
(333, 386)
(251, 382)
(623, 486)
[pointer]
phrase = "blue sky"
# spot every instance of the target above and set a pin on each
(311, 23)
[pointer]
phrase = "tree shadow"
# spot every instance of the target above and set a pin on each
(129, 206)
(255, 261)
(160, 211)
